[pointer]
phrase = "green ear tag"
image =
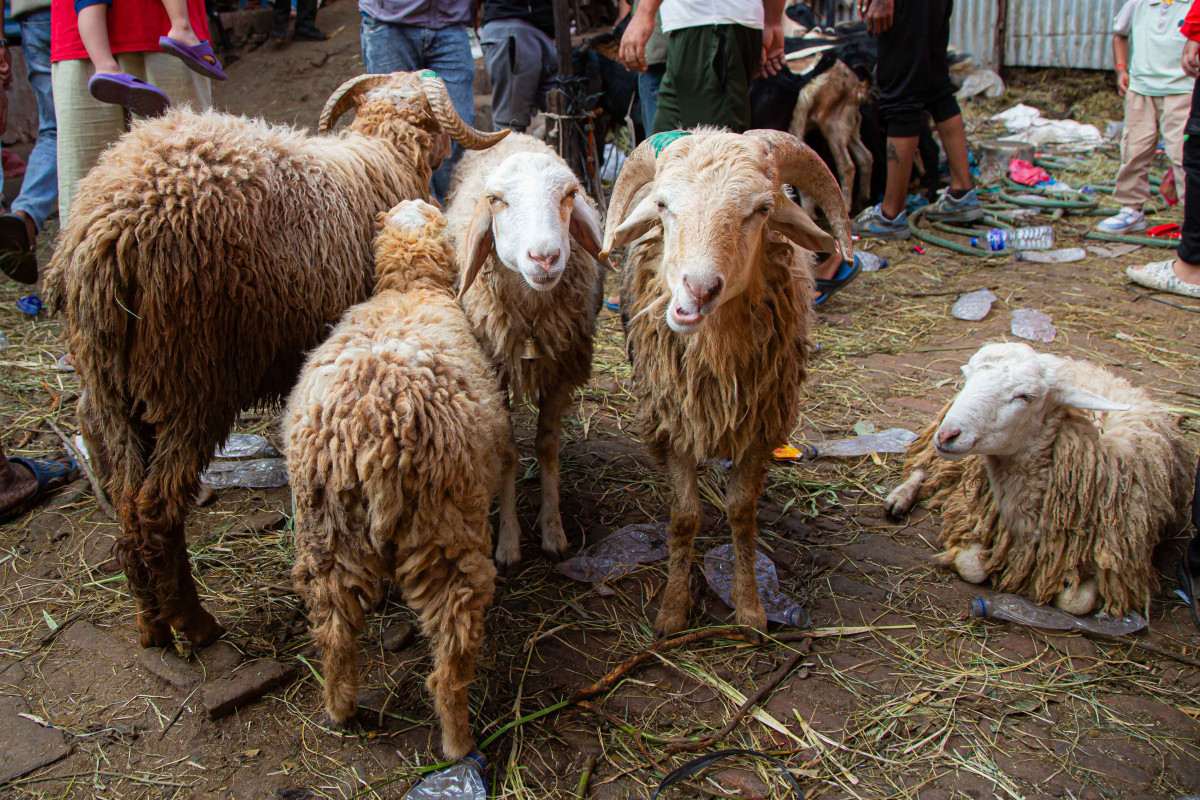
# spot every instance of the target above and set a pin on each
(428, 73)
(660, 141)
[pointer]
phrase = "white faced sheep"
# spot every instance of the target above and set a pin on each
(205, 254)
(527, 240)
(394, 439)
(717, 306)
(1049, 499)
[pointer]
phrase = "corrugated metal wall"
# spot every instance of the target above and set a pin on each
(1038, 33)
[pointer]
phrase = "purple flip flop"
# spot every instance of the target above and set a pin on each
(123, 89)
(193, 56)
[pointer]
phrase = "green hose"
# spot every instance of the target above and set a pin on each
(1148, 241)
(946, 243)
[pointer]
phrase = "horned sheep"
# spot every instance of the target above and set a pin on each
(527, 238)
(394, 437)
(1055, 478)
(717, 304)
(204, 255)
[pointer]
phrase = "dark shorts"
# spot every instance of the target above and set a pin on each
(82, 4)
(708, 75)
(913, 72)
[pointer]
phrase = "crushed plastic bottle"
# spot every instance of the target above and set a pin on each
(30, 304)
(1024, 611)
(1063, 256)
(251, 473)
(869, 262)
(617, 555)
(246, 445)
(973, 306)
(3, 340)
(1029, 323)
(893, 440)
(1037, 237)
(718, 570)
(462, 781)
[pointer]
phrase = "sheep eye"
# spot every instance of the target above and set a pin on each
(1024, 398)
(661, 205)
(764, 209)
(572, 194)
(495, 198)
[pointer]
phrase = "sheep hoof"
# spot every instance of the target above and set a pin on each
(554, 542)
(752, 623)
(1079, 599)
(968, 562)
(669, 622)
(152, 633)
(904, 496)
(203, 629)
(555, 553)
(509, 569)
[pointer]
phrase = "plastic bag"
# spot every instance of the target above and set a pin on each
(1029, 323)
(893, 440)
(718, 571)
(973, 306)
(617, 555)
(1026, 174)
(251, 473)
(246, 445)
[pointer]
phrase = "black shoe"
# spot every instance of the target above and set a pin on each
(17, 257)
(279, 33)
(310, 35)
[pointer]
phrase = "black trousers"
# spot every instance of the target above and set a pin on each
(1189, 242)
(913, 72)
(306, 13)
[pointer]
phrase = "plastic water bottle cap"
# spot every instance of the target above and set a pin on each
(974, 241)
(478, 758)
(978, 607)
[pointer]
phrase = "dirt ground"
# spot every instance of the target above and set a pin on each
(901, 695)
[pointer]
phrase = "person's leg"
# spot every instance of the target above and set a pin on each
(390, 48)
(713, 67)
(17, 483)
(39, 189)
(306, 22)
(282, 13)
(173, 76)
(954, 142)
(181, 24)
(1139, 143)
(900, 153)
(85, 127)
(92, 16)
(666, 111)
(449, 55)
(513, 54)
(902, 75)
(648, 83)
(1172, 120)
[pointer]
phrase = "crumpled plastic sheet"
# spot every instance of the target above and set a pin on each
(718, 571)
(617, 555)
(1026, 174)
(1026, 124)
(1037, 326)
(246, 445)
(973, 306)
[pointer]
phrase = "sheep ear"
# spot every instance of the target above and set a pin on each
(585, 229)
(636, 224)
(478, 244)
(792, 221)
(1081, 398)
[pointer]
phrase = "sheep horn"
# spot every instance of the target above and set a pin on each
(344, 97)
(801, 167)
(639, 169)
(446, 115)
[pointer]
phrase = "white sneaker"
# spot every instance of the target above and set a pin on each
(1129, 220)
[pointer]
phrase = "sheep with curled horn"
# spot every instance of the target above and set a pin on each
(204, 255)
(716, 299)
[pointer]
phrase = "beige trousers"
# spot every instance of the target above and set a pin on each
(1144, 117)
(86, 127)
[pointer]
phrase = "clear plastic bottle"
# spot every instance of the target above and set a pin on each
(869, 262)
(462, 781)
(1064, 256)
(892, 440)
(3, 340)
(718, 571)
(1024, 611)
(1038, 237)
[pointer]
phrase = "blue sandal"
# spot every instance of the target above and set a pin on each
(827, 287)
(50, 475)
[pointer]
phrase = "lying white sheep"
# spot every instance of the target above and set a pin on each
(394, 436)
(527, 240)
(1041, 494)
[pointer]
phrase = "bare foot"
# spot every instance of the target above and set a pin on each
(186, 35)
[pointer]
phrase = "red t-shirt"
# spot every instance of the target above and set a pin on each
(1191, 23)
(133, 27)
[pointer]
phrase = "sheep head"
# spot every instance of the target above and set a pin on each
(531, 208)
(411, 250)
(1009, 392)
(418, 97)
(718, 197)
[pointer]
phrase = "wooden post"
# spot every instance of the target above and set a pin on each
(998, 45)
(566, 145)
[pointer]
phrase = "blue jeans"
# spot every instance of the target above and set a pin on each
(647, 86)
(39, 189)
(387, 47)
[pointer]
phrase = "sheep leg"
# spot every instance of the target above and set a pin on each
(685, 523)
(153, 628)
(901, 499)
(836, 137)
(508, 546)
(336, 619)
(552, 406)
(864, 161)
(741, 504)
(451, 597)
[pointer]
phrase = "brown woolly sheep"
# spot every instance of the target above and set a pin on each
(394, 439)
(718, 374)
(1048, 498)
(205, 254)
(527, 240)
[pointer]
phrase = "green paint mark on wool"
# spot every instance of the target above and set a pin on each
(428, 73)
(660, 141)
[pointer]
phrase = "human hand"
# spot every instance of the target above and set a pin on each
(633, 43)
(878, 15)
(1123, 79)
(773, 51)
(1191, 58)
